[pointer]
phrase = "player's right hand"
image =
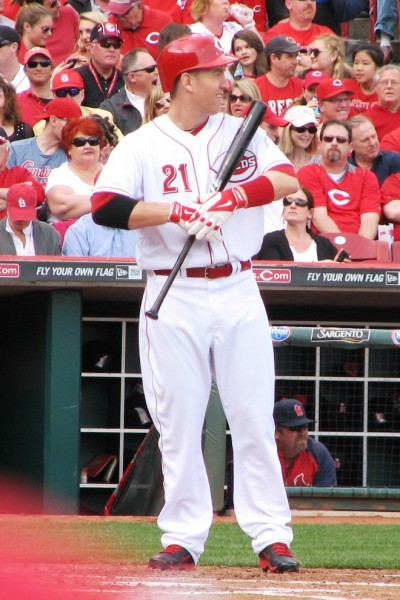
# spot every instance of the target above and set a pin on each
(181, 215)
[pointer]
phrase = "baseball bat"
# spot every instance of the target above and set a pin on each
(235, 152)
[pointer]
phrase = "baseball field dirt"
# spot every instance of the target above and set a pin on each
(33, 578)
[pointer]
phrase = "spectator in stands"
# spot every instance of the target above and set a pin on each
(308, 98)
(243, 92)
(304, 461)
(68, 83)
(157, 104)
(300, 26)
(70, 185)
(334, 97)
(10, 176)
(140, 76)
(366, 150)
(346, 197)
(297, 241)
(141, 25)
(21, 233)
(34, 25)
(278, 87)
(249, 49)
(211, 16)
(385, 114)
(328, 53)
(391, 141)
(81, 54)
(85, 238)
(64, 34)
(32, 103)
(299, 140)
(386, 26)
(170, 32)
(11, 125)
(367, 59)
(43, 153)
(102, 79)
(10, 67)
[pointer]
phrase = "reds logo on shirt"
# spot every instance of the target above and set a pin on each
(246, 168)
(338, 197)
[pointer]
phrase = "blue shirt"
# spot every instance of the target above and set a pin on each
(386, 163)
(85, 238)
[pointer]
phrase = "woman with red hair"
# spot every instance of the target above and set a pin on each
(70, 186)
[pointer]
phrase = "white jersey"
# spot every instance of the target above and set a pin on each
(183, 167)
(229, 28)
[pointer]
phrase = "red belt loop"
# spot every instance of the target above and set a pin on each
(210, 272)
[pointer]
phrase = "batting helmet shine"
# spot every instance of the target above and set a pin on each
(189, 53)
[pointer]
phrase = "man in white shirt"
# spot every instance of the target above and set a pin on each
(10, 67)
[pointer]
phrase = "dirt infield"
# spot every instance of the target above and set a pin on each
(41, 580)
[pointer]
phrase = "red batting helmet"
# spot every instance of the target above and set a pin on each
(189, 53)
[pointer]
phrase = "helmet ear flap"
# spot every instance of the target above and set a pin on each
(189, 53)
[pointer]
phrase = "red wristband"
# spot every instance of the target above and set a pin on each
(260, 191)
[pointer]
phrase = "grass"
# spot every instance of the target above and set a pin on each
(108, 541)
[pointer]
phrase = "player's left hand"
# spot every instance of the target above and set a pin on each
(216, 209)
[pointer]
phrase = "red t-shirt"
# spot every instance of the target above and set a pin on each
(360, 101)
(347, 200)
(391, 141)
(304, 37)
(148, 33)
(384, 120)
(178, 9)
(279, 98)
(32, 108)
(390, 190)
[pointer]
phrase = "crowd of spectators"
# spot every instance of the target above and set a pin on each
(76, 77)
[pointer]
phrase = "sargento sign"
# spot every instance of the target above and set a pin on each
(327, 334)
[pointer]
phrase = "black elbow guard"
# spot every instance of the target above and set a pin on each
(115, 213)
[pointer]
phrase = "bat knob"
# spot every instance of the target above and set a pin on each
(151, 314)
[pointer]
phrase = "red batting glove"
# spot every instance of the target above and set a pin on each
(216, 209)
(181, 215)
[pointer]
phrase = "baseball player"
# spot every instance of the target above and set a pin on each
(213, 323)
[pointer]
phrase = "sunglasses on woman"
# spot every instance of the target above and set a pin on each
(47, 29)
(79, 142)
(33, 64)
(310, 128)
(241, 98)
(297, 201)
(163, 103)
(74, 91)
(315, 52)
(116, 44)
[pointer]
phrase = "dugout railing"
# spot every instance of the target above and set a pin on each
(349, 380)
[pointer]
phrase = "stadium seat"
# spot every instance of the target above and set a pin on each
(396, 252)
(360, 247)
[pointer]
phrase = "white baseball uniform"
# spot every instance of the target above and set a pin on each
(206, 329)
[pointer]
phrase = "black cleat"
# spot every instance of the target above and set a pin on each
(278, 559)
(174, 557)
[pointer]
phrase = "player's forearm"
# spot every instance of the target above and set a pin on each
(149, 215)
(266, 188)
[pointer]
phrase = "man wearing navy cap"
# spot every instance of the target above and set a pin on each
(304, 461)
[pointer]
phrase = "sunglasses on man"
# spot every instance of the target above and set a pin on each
(73, 91)
(33, 64)
(116, 44)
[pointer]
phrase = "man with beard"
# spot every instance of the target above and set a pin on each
(347, 198)
(304, 461)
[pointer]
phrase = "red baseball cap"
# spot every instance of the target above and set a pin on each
(106, 31)
(269, 117)
(313, 78)
(35, 51)
(21, 202)
(68, 78)
(62, 108)
(329, 88)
